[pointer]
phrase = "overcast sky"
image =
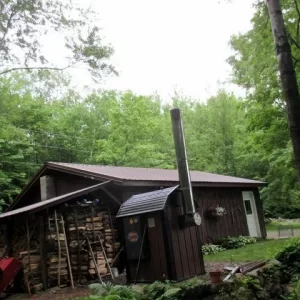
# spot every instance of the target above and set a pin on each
(165, 44)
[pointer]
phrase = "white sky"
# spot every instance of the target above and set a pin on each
(165, 44)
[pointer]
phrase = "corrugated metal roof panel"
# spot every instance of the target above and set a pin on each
(52, 202)
(146, 202)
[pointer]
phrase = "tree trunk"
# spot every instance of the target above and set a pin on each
(287, 76)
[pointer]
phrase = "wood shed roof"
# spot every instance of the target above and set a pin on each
(145, 202)
(51, 202)
(129, 176)
(150, 174)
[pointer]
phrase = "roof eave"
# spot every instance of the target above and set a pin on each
(195, 184)
(55, 167)
(86, 174)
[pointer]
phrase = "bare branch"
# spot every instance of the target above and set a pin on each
(33, 68)
(7, 28)
(298, 12)
(293, 41)
(296, 60)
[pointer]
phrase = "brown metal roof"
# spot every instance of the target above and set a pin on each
(52, 202)
(150, 174)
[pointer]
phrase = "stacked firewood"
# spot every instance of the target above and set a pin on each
(96, 227)
(53, 262)
(29, 255)
(32, 268)
(77, 240)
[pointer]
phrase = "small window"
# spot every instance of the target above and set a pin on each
(248, 207)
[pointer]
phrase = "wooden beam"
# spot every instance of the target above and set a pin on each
(59, 247)
(43, 251)
(108, 193)
(67, 250)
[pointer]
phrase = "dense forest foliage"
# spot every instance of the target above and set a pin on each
(43, 119)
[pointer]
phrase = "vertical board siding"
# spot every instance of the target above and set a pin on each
(172, 227)
(188, 258)
(234, 223)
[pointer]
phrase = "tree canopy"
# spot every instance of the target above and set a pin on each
(23, 23)
(43, 119)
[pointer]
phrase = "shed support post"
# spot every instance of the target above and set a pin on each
(43, 251)
(48, 191)
(9, 237)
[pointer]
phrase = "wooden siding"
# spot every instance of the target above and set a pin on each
(185, 245)
(234, 223)
(154, 268)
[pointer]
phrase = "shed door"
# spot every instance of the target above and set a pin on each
(251, 214)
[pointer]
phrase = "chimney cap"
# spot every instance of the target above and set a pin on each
(175, 113)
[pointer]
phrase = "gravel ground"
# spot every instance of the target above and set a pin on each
(274, 234)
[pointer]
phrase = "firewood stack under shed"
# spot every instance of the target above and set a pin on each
(83, 225)
(56, 239)
(94, 225)
(27, 249)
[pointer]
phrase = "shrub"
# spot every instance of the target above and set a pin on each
(247, 239)
(189, 289)
(108, 291)
(237, 242)
(212, 249)
(155, 290)
(290, 256)
(250, 287)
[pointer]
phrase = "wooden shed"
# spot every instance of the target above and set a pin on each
(58, 184)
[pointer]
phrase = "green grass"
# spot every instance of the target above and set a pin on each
(274, 225)
(265, 249)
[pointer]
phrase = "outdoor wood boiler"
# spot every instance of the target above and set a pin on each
(161, 227)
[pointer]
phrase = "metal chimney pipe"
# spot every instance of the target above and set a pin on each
(183, 168)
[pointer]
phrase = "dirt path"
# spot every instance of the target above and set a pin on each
(55, 294)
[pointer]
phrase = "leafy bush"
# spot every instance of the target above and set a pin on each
(108, 291)
(237, 242)
(247, 239)
(155, 290)
(290, 256)
(175, 291)
(212, 249)
(250, 287)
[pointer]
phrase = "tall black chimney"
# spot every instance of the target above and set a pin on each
(190, 215)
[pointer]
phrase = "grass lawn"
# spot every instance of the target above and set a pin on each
(274, 225)
(266, 249)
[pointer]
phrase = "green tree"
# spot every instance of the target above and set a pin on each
(22, 23)
(268, 152)
(136, 129)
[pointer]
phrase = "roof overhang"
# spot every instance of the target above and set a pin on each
(50, 166)
(36, 207)
(194, 184)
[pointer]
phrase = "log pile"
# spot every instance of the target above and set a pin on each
(28, 251)
(53, 262)
(32, 268)
(92, 225)
(77, 240)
